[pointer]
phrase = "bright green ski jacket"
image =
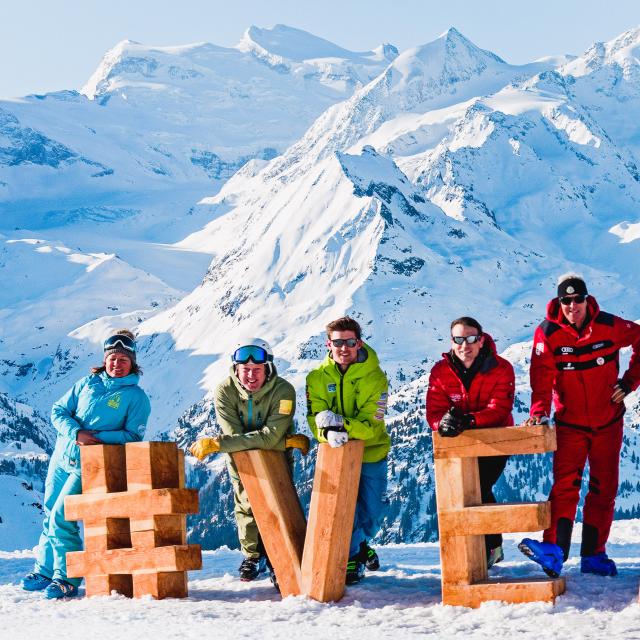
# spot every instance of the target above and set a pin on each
(359, 396)
(259, 420)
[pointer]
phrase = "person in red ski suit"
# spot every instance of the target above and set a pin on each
(575, 362)
(473, 387)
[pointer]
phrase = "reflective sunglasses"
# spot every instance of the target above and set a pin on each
(467, 339)
(124, 341)
(350, 342)
(251, 352)
(567, 300)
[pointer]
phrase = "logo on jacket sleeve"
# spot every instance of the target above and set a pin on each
(114, 402)
(286, 407)
(382, 406)
(539, 348)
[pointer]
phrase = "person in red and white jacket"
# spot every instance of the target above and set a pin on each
(473, 387)
(575, 362)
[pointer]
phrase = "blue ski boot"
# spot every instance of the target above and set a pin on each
(35, 582)
(600, 564)
(548, 555)
(60, 589)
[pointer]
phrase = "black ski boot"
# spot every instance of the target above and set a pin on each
(369, 557)
(251, 568)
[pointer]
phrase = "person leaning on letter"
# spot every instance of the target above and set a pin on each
(254, 409)
(575, 361)
(470, 388)
(105, 407)
(347, 398)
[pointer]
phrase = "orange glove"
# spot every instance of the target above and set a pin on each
(203, 447)
(297, 441)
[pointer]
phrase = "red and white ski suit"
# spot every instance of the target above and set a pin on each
(578, 370)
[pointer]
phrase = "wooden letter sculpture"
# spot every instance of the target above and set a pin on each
(134, 507)
(315, 563)
(276, 508)
(463, 519)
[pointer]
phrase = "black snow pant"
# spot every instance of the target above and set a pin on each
(490, 470)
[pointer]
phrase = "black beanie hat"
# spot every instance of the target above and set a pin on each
(571, 287)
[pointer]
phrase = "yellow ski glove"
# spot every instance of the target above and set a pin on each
(297, 441)
(202, 448)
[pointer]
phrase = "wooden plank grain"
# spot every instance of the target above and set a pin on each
(117, 561)
(496, 518)
(462, 557)
(131, 504)
(513, 591)
(497, 441)
(103, 468)
(275, 505)
(331, 514)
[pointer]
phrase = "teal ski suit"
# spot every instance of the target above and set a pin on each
(116, 410)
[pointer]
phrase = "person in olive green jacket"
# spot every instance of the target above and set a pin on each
(347, 399)
(254, 409)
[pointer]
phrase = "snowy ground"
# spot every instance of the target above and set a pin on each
(402, 600)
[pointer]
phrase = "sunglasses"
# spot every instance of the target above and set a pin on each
(349, 342)
(467, 339)
(251, 352)
(567, 300)
(124, 341)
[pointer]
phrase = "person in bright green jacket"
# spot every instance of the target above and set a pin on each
(347, 399)
(254, 409)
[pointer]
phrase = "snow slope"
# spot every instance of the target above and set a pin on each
(402, 599)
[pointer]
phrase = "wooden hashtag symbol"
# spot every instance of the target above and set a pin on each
(134, 505)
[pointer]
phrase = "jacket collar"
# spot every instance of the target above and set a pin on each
(126, 381)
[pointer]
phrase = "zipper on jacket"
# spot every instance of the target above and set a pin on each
(341, 394)
(250, 411)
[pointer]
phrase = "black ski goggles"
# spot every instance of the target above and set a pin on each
(256, 354)
(118, 340)
(467, 339)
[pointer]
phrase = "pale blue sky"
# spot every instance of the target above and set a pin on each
(47, 45)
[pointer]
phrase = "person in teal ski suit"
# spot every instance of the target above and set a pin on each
(105, 407)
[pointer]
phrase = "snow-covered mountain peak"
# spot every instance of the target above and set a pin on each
(290, 50)
(291, 44)
(451, 56)
(622, 52)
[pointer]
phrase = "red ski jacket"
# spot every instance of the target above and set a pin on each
(579, 370)
(490, 395)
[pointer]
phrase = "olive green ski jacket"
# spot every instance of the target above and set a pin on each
(259, 420)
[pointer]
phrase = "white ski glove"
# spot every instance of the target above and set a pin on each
(337, 438)
(327, 419)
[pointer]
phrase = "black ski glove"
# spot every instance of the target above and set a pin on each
(454, 422)
(451, 424)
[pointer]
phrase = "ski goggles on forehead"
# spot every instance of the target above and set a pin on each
(349, 342)
(567, 300)
(251, 352)
(120, 341)
(467, 339)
